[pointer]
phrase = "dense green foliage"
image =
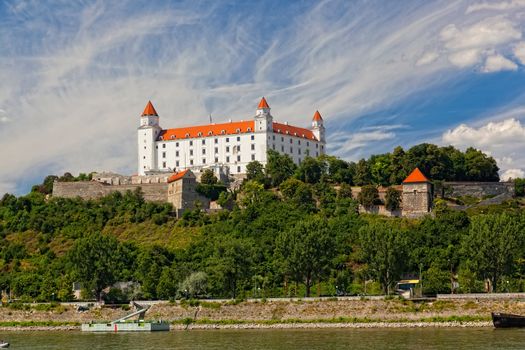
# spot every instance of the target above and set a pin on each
(290, 231)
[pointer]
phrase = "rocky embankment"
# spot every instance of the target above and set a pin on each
(277, 314)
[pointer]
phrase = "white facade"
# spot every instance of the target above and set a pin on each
(230, 145)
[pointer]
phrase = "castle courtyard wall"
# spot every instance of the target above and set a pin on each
(155, 192)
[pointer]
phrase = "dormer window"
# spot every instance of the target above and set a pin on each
(248, 130)
(294, 134)
(223, 132)
(210, 133)
(187, 135)
(172, 137)
(278, 130)
(237, 130)
(199, 134)
(287, 132)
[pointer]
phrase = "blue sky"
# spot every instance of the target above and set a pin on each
(75, 76)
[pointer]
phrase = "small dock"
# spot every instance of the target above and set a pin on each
(124, 324)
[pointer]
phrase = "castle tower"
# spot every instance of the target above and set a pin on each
(318, 127)
(148, 133)
(263, 118)
(417, 194)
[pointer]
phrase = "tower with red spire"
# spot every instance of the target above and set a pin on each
(318, 127)
(148, 132)
(263, 118)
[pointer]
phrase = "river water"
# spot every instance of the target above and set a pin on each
(326, 339)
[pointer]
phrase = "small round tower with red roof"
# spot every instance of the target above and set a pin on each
(417, 194)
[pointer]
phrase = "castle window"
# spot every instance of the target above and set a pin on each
(216, 160)
(216, 141)
(298, 142)
(273, 137)
(176, 153)
(238, 158)
(238, 138)
(176, 144)
(227, 148)
(203, 160)
(238, 169)
(253, 137)
(249, 130)
(163, 145)
(203, 142)
(163, 154)
(299, 151)
(273, 147)
(216, 150)
(299, 160)
(191, 152)
(307, 143)
(199, 134)
(187, 135)
(191, 161)
(253, 147)
(210, 133)
(227, 159)
(282, 139)
(144, 147)
(282, 148)
(316, 145)
(291, 149)
(144, 157)
(164, 164)
(237, 130)
(177, 163)
(322, 147)
(223, 132)
(291, 141)
(191, 143)
(253, 156)
(227, 139)
(317, 154)
(204, 151)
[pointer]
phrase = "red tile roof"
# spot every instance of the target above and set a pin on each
(232, 128)
(293, 131)
(263, 104)
(149, 110)
(317, 116)
(416, 176)
(177, 176)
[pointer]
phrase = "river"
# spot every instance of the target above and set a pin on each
(326, 339)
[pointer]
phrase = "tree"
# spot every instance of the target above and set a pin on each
(167, 285)
(298, 193)
(519, 187)
(492, 245)
(255, 171)
(194, 285)
(279, 167)
(368, 196)
(392, 199)
(309, 171)
(384, 251)
(306, 251)
(480, 167)
(92, 261)
(208, 177)
(362, 173)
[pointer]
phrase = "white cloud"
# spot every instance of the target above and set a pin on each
(427, 58)
(512, 174)
(78, 90)
(519, 52)
(504, 140)
(496, 6)
(350, 145)
(469, 44)
(496, 63)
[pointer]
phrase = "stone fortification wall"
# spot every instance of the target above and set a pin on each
(476, 189)
(156, 192)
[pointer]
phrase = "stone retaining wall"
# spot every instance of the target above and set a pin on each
(157, 192)
(477, 189)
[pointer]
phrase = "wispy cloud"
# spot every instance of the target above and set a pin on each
(79, 74)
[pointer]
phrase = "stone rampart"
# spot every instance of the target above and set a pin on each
(156, 192)
(476, 189)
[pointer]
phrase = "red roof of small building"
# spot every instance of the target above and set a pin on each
(149, 110)
(317, 116)
(416, 176)
(232, 128)
(177, 176)
(263, 104)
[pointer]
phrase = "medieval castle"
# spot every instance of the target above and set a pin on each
(170, 162)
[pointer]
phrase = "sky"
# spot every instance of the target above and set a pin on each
(76, 75)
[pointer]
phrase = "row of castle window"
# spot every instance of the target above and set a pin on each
(235, 149)
(204, 141)
(177, 163)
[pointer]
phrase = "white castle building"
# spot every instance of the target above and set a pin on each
(229, 146)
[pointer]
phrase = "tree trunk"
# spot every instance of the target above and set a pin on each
(308, 283)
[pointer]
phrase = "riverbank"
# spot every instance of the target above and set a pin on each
(310, 313)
